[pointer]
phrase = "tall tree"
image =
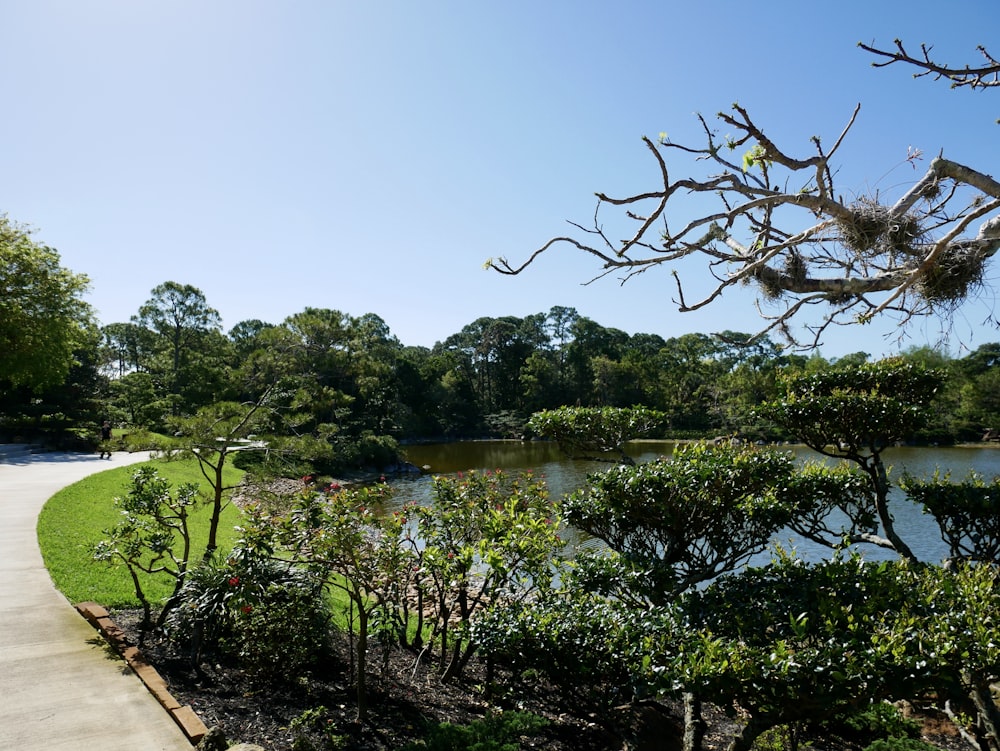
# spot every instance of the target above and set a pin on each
(43, 317)
(493, 351)
(181, 317)
(126, 348)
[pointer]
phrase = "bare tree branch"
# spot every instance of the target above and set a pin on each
(982, 77)
(802, 245)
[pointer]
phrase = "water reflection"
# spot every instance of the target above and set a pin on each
(564, 475)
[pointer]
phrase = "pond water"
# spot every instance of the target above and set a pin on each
(564, 475)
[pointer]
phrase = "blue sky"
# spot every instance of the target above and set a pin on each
(370, 156)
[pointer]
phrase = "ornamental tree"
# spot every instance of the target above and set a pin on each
(794, 643)
(967, 513)
(344, 538)
(596, 432)
(212, 436)
(668, 526)
(672, 524)
(855, 414)
(489, 539)
(152, 535)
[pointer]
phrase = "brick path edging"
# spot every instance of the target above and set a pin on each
(185, 717)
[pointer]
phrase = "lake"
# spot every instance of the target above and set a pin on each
(564, 475)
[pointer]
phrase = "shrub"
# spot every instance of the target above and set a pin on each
(497, 732)
(284, 635)
(880, 720)
(315, 724)
(900, 744)
(269, 615)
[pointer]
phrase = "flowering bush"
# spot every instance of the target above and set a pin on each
(218, 597)
(488, 538)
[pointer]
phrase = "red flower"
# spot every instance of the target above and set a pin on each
(247, 609)
(234, 581)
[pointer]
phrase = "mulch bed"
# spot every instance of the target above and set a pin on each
(403, 698)
(406, 695)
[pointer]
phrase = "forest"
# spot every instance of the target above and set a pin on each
(348, 384)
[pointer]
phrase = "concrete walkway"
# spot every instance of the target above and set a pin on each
(60, 689)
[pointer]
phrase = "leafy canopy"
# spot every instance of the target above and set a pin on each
(43, 318)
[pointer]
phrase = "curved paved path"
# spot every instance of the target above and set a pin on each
(59, 689)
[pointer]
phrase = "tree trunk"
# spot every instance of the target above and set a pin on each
(880, 478)
(744, 739)
(694, 725)
(989, 716)
(362, 653)
(213, 525)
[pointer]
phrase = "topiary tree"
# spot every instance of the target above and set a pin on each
(672, 524)
(595, 432)
(855, 413)
(668, 526)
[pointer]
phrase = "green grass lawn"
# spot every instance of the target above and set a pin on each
(75, 519)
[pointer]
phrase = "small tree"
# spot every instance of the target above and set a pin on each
(590, 432)
(796, 644)
(152, 536)
(357, 549)
(212, 436)
(668, 525)
(489, 539)
(671, 525)
(856, 413)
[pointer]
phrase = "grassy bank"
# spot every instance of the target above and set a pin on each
(74, 520)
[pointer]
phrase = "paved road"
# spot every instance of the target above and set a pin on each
(59, 689)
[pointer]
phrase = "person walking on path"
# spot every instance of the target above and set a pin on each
(60, 689)
(106, 439)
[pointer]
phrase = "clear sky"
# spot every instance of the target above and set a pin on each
(370, 156)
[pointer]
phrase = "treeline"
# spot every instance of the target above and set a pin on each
(350, 382)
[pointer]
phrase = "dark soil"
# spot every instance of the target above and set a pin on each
(406, 697)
